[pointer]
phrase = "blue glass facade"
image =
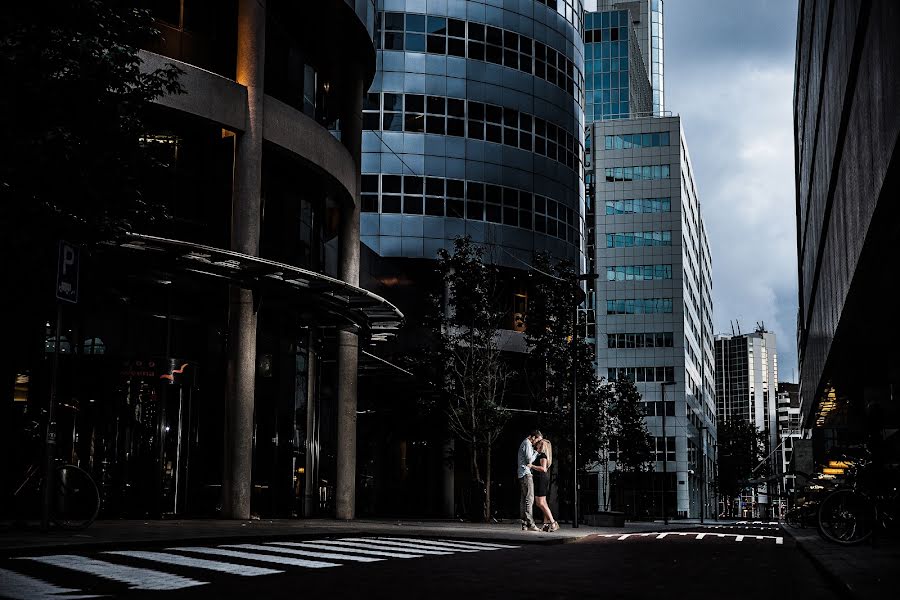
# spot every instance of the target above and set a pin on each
(474, 125)
(606, 65)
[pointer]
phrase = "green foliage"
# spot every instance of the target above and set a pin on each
(628, 430)
(549, 334)
(468, 361)
(75, 98)
(742, 447)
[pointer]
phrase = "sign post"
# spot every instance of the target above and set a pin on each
(67, 266)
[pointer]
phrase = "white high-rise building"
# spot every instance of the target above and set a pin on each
(650, 312)
(653, 302)
(746, 389)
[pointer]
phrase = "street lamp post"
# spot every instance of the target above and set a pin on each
(662, 387)
(702, 429)
(579, 297)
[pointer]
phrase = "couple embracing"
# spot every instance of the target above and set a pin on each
(534, 461)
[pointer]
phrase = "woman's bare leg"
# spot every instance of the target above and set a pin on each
(541, 502)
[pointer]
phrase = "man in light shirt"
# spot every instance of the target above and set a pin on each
(526, 456)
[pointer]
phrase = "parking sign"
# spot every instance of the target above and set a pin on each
(67, 272)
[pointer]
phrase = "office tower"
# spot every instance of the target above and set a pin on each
(474, 125)
(846, 185)
(624, 59)
(746, 390)
(216, 340)
(789, 432)
(653, 305)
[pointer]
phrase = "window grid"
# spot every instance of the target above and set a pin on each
(476, 201)
(636, 140)
(417, 113)
(637, 173)
(442, 35)
(638, 238)
(664, 339)
(606, 55)
(641, 374)
(639, 306)
(638, 272)
(638, 206)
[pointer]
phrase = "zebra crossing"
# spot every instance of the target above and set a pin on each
(108, 573)
(692, 535)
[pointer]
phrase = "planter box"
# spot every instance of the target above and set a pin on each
(605, 519)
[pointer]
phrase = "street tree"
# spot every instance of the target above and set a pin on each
(468, 359)
(628, 429)
(552, 350)
(742, 454)
(631, 440)
(72, 163)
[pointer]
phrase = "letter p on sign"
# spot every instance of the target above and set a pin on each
(67, 272)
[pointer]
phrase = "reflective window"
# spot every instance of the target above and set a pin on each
(639, 306)
(489, 122)
(637, 173)
(638, 238)
(640, 340)
(440, 35)
(636, 140)
(436, 196)
(638, 205)
(638, 272)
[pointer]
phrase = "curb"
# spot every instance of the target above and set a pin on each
(836, 583)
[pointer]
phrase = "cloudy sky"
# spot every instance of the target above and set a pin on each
(729, 74)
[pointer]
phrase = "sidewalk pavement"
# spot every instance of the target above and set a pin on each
(863, 571)
(120, 532)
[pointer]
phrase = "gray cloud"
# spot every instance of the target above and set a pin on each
(729, 74)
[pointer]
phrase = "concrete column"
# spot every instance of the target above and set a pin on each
(348, 343)
(245, 231)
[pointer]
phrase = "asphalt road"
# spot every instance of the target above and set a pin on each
(697, 562)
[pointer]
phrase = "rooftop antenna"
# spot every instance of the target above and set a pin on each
(738, 326)
(732, 327)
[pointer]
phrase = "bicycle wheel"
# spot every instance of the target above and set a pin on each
(77, 499)
(846, 517)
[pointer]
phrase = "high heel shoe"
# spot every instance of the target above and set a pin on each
(554, 526)
(546, 527)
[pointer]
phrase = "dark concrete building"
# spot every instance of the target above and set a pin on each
(210, 366)
(848, 219)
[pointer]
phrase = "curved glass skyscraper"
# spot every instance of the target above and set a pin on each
(475, 125)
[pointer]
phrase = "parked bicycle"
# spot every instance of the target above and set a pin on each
(803, 515)
(868, 502)
(75, 499)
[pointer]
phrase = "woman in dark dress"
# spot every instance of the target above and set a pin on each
(541, 472)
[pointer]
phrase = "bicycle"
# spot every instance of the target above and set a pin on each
(852, 514)
(75, 501)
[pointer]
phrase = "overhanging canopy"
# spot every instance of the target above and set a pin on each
(349, 305)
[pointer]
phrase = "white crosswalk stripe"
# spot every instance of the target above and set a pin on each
(417, 547)
(130, 567)
(374, 545)
(307, 553)
(198, 563)
(280, 560)
(330, 545)
(479, 544)
(22, 587)
(439, 544)
(136, 578)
